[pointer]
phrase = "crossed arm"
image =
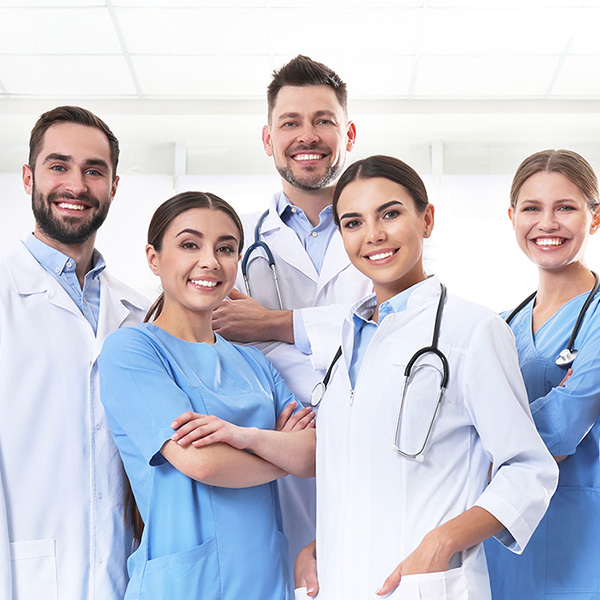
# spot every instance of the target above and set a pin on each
(216, 452)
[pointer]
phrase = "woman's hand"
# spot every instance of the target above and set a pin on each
(290, 421)
(429, 557)
(202, 430)
(305, 569)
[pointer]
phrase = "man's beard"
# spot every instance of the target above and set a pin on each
(67, 230)
(306, 183)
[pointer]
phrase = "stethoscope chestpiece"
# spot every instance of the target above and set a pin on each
(317, 394)
(566, 357)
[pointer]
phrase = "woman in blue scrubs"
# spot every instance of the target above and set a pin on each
(211, 510)
(554, 209)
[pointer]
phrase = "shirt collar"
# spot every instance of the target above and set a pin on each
(286, 210)
(55, 261)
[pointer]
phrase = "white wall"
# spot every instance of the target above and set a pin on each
(472, 247)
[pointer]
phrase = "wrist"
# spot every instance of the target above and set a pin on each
(280, 325)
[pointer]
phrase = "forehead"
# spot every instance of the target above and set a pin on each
(306, 99)
(549, 185)
(368, 194)
(81, 142)
(207, 221)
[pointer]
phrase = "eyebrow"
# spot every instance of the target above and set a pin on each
(199, 234)
(90, 162)
(295, 115)
(379, 209)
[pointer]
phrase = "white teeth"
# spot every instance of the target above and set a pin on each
(548, 241)
(71, 206)
(307, 157)
(380, 256)
(203, 283)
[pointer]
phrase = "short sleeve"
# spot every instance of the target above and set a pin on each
(139, 394)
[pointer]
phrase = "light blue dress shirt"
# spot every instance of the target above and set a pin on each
(62, 268)
(201, 542)
(365, 327)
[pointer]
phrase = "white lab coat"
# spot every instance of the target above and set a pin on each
(374, 506)
(62, 530)
(324, 299)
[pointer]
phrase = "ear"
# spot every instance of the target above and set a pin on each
(113, 189)
(428, 220)
(511, 215)
(153, 259)
(266, 140)
(595, 220)
(351, 133)
(28, 179)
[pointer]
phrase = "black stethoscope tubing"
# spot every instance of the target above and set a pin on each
(319, 390)
(567, 356)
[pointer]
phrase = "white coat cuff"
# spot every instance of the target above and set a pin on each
(301, 340)
(517, 531)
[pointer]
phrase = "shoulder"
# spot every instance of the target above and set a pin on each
(127, 340)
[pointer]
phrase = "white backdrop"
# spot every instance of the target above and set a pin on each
(472, 247)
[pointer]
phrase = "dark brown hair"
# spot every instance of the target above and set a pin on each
(71, 114)
(387, 167)
(301, 71)
(566, 162)
(168, 211)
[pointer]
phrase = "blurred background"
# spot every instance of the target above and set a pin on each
(461, 90)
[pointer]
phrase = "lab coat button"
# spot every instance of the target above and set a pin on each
(351, 397)
(100, 495)
(98, 426)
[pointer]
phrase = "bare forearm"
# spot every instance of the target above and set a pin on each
(292, 451)
(278, 325)
(221, 465)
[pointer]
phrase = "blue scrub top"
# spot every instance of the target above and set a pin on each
(200, 542)
(562, 559)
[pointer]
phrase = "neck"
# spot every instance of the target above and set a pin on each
(556, 287)
(311, 202)
(81, 253)
(190, 326)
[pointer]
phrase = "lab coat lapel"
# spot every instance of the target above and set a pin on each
(334, 262)
(116, 304)
(287, 246)
(29, 277)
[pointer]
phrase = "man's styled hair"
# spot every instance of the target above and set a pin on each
(301, 71)
(71, 114)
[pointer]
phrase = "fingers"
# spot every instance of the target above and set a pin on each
(566, 377)
(235, 294)
(184, 418)
(391, 583)
(305, 419)
(284, 415)
(305, 571)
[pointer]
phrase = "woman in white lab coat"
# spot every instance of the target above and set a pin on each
(403, 502)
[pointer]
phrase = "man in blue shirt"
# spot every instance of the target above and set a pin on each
(62, 490)
(308, 135)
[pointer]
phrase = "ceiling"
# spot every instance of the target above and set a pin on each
(183, 82)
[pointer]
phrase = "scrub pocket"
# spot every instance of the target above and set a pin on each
(34, 569)
(573, 538)
(444, 585)
(192, 573)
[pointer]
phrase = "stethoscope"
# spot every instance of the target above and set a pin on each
(319, 389)
(567, 356)
(269, 258)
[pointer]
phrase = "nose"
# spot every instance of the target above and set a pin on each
(548, 221)
(208, 260)
(375, 232)
(75, 182)
(307, 135)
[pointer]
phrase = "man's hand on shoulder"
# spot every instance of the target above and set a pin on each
(240, 318)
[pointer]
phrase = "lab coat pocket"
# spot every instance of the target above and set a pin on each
(572, 546)
(443, 585)
(192, 573)
(34, 569)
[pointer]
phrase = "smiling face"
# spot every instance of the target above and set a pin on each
(383, 233)
(197, 263)
(308, 136)
(552, 220)
(71, 183)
